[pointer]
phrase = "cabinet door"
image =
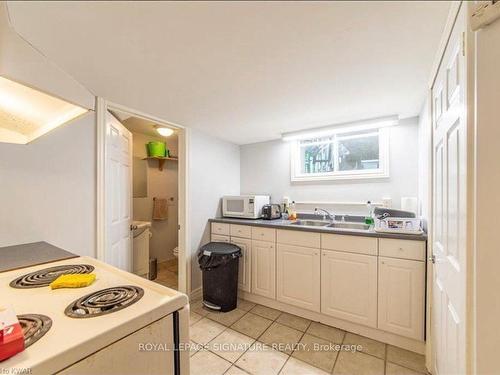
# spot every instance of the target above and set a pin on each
(264, 269)
(298, 276)
(349, 286)
(401, 297)
(245, 265)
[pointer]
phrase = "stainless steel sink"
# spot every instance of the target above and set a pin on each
(311, 223)
(342, 225)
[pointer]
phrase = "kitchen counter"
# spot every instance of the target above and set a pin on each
(30, 254)
(287, 224)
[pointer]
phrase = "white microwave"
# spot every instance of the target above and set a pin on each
(244, 206)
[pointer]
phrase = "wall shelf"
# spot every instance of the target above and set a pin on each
(161, 160)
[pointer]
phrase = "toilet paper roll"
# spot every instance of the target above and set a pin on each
(409, 204)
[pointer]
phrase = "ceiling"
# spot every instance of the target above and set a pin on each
(244, 71)
(139, 125)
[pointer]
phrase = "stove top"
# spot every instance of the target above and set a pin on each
(71, 339)
(45, 276)
(34, 327)
(104, 301)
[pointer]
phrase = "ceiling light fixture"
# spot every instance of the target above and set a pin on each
(163, 131)
(27, 113)
(324, 131)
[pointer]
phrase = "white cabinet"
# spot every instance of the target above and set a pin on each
(244, 277)
(298, 276)
(220, 228)
(349, 286)
(220, 238)
(264, 268)
(401, 297)
(243, 231)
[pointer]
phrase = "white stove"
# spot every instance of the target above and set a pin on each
(121, 324)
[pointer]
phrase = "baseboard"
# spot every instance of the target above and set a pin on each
(373, 333)
(196, 294)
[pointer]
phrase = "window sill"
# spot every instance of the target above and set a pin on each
(364, 176)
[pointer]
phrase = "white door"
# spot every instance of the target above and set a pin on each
(118, 187)
(244, 264)
(298, 276)
(449, 240)
(349, 287)
(264, 269)
(401, 297)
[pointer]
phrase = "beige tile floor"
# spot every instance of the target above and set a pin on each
(168, 274)
(254, 339)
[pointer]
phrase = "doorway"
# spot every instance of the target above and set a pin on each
(149, 189)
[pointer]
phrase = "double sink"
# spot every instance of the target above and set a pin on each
(330, 224)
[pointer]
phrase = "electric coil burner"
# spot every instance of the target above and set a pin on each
(104, 301)
(34, 326)
(44, 277)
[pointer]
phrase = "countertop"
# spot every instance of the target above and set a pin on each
(30, 254)
(286, 224)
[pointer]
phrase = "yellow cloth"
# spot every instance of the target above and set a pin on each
(77, 280)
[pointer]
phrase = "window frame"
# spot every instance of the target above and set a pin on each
(381, 172)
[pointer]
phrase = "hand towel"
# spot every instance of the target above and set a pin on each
(160, 209)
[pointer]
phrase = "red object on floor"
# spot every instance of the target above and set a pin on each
(11, 334)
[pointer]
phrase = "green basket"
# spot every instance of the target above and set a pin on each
(156, 149)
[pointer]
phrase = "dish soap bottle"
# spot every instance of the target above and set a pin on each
(292, 213)
(369, 219)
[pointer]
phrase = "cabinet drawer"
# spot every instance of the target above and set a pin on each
(219, 238)
(350, 244)
(298, 238)
(220, 228)
(404, 249)
(264, 234)
(243, 231)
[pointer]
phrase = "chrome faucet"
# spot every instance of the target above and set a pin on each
(325, 213)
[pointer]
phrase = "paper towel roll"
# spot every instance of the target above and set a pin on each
(409, 204)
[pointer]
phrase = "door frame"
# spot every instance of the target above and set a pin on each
(102, 106)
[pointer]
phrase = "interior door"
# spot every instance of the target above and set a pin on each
(448, 308)
(118, 187)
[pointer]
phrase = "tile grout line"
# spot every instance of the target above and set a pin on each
(303, 333)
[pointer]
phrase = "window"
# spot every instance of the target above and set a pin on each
(343, 155)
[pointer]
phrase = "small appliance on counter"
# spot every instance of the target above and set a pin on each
(271, 211)
(244, 206)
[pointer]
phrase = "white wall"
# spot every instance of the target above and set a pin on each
(265, 169)
(487, 179)
(161, 184)
(425, 159)
(214, 171)
(47, 189)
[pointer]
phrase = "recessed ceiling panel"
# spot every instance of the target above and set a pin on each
(26, 113)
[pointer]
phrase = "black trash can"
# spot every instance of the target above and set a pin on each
(219, 264)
